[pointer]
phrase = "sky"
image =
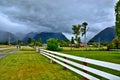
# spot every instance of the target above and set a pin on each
(56, 15)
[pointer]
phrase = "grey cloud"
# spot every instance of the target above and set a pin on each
(58, 15)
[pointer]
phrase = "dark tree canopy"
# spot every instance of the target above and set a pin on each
(84, 25)
(72, 40)
(76, 32)
(76, 29)
(29, 40)
(117, 11)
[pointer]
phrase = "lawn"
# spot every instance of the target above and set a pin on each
(26, 64)
(29, 65)
(109, 56)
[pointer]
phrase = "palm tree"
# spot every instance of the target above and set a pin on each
(84, 27)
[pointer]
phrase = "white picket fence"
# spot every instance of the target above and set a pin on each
(60, 59)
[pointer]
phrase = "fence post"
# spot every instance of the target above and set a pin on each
(51, 61)
(36, 49)
(85, 64)
(64, 68)
(54, 61)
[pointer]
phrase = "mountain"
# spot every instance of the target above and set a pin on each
(5, 36)
(29, 35)
(20, 35)
(44, 36)
(107, 35)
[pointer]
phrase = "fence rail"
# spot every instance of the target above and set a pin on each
(59, 58)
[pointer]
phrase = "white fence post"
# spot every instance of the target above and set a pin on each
(36, 49)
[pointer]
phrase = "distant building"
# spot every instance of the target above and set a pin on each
(73, 45)
(82, 45)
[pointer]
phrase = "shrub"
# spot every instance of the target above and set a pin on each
(31, 44)
(52, 44)
(114, 44)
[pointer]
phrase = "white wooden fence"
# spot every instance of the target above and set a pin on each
(60, 59)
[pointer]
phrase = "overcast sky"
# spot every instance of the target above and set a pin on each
(55, 15)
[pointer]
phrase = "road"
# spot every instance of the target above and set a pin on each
(4, 54)
(3, 48)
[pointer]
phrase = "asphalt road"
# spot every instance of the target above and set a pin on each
(3, 48)
(4, 54)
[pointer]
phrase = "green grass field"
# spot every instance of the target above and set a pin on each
(109, 56)
(26, 64)
(29, 65)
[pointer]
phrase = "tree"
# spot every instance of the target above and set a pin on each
(38, 42)
(117, 42)
(19, 43)
(79, 40)
(117, 11)
(63, 43)
(67, 41)
(83, 29)
(52, 44)
(76, 32)
(84, 26)
(91, 41)
(29, 40)
(72, 40)
(32, 44)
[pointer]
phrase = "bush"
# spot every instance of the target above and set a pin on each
(115, 44)
(38, 44)
(95, 44)
(31, 44)
(52, 45)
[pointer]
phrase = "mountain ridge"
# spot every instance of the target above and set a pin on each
(44, 36)
(5, 36)
(105, 36)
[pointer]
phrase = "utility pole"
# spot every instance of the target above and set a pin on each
(9, 40)
(99, 42)
(85, 41)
